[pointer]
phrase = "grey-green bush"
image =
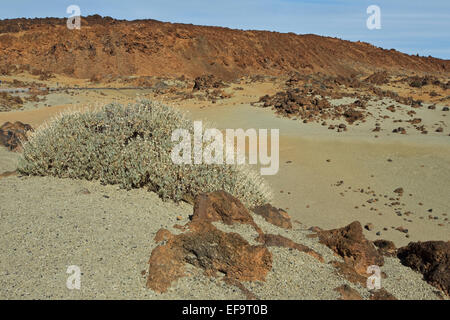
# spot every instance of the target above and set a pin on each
(131, 146)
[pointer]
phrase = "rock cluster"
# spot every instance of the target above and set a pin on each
(216, 252)
(307, 105)
(204, 246)
(9, 102)
(207, 82)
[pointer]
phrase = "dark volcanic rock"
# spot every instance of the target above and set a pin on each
(12, 135)
(273, 215)
(432, 259)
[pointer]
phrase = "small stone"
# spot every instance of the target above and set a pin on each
(402, 229)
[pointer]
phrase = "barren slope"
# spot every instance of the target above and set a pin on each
(105, 46)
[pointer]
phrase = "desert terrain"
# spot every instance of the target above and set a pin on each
(364, 136)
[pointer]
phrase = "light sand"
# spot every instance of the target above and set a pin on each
(48, 224)
(420, 165)
(361, 161)
(37, 254)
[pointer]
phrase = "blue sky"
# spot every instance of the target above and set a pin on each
(411, 26)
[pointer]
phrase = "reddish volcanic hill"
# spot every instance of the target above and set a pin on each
(148, 47)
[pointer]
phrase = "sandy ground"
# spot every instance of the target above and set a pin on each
(306, 183)
(109, 232)
(313, 160)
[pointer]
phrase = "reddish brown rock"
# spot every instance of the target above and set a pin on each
(348, 293)
(13, 134)
(7, 174)
(386, 247)
(162, 235)
(350, 243)
(166, 265)
(272, 240)
(348, 272)
(402, 229)
(275, 216)
(399, 191)
(211, 249)
(432, 259)
(222, 206)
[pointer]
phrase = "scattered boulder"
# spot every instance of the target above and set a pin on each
(13, 134)
(400, 130)
(402, 229)
(432, 259)
(349, 243)
(275, 216)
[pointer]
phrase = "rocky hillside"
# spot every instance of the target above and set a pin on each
(105, 46)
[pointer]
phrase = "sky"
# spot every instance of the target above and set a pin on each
(410, 26)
